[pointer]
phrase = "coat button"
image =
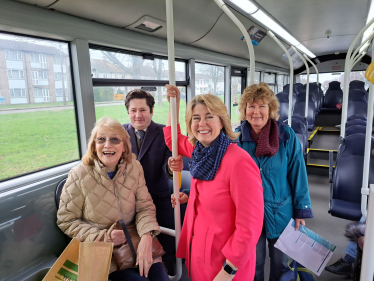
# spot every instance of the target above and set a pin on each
(268, 233)
(306, 207)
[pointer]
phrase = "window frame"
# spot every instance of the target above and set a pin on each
(112, 82)
(19, 72)
(13, 51)
(7, 183)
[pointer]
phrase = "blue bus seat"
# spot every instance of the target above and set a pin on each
(313, 90)
(283, 106)
(345, 201)
(355, 129)
(58, 191)
(357, 95)
(357, 108)
(356, 117)
(286, 89)
(356, 122)
(297, 88)
(333, 96)
(301, 130)
(299, 109)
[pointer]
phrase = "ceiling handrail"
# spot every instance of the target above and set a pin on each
(244, 31)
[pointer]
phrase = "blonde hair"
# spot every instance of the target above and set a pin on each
(259, 92)
(90, 155)
(216, 107)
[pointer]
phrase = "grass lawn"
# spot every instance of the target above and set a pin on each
(32, 141)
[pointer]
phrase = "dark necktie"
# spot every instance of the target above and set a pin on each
(140, 134)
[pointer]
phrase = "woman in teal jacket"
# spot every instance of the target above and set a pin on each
(277, 152)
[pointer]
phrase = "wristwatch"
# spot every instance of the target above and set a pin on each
(229, 269)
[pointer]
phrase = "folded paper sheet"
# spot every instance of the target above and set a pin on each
(306, 247)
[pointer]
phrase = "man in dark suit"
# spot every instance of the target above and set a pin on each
(148, 144)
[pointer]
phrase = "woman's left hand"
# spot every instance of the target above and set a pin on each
(223, 276)
(298, 222)
(144, 254)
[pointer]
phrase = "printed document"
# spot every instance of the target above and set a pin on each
(306, 247)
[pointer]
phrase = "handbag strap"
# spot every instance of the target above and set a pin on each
(128, 239)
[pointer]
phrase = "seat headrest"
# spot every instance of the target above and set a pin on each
(356, 84)
(302, 96)
(355, 145)
(298, 126)
(297, 87)
(286, 88)
(357, 117)
(282, 97)
(355, 129)
(334, 85)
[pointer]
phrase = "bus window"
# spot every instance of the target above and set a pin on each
(38, 123)
(109, 101)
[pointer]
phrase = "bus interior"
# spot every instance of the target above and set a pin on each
(64, 64)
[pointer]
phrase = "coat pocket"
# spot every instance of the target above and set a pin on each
(208, 248)
(282, 214)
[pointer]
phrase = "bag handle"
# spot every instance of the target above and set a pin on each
(293, 266)
(128, 239)
(106, 232)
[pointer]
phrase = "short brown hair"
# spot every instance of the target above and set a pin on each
(113, 124)
(258, 92)
(140, 94)
(216, 107)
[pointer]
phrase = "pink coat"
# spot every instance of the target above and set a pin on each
(224, 216)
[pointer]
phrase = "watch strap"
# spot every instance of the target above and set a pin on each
(229, 269)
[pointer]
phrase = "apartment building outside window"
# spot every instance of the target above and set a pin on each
(15, 74)
(13, 55)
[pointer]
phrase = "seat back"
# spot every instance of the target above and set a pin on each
(58, 192)
(356, 84)
(283, 106)
(313, 91)
(301, 131)
(357, 95)
(286, 89)
(333, 96)
(348, 172)
(297, 88)
(356, 117)
(357, 108)
(299, 108)
(356, 122)
(355, 129)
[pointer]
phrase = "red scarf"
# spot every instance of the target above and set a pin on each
(268, 141)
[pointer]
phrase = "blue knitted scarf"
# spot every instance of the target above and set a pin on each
(205, 161)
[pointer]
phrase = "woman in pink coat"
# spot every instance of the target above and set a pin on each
(225, 209)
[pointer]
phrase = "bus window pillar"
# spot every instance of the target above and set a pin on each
(83, 90)
(191, 88)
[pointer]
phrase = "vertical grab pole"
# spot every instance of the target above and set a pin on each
(368, 254)
(174, 135)
(367, 153)
(271, 34)
(227, 11)
(307, 81)
(347, 72)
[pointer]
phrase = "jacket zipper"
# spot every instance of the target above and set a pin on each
(119, 201)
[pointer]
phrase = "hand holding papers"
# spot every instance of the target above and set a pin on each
(306, 247)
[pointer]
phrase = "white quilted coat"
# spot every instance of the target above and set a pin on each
(89, 205)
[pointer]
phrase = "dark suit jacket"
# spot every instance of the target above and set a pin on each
(153, 156)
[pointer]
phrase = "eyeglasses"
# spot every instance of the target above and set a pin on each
(102, 140)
